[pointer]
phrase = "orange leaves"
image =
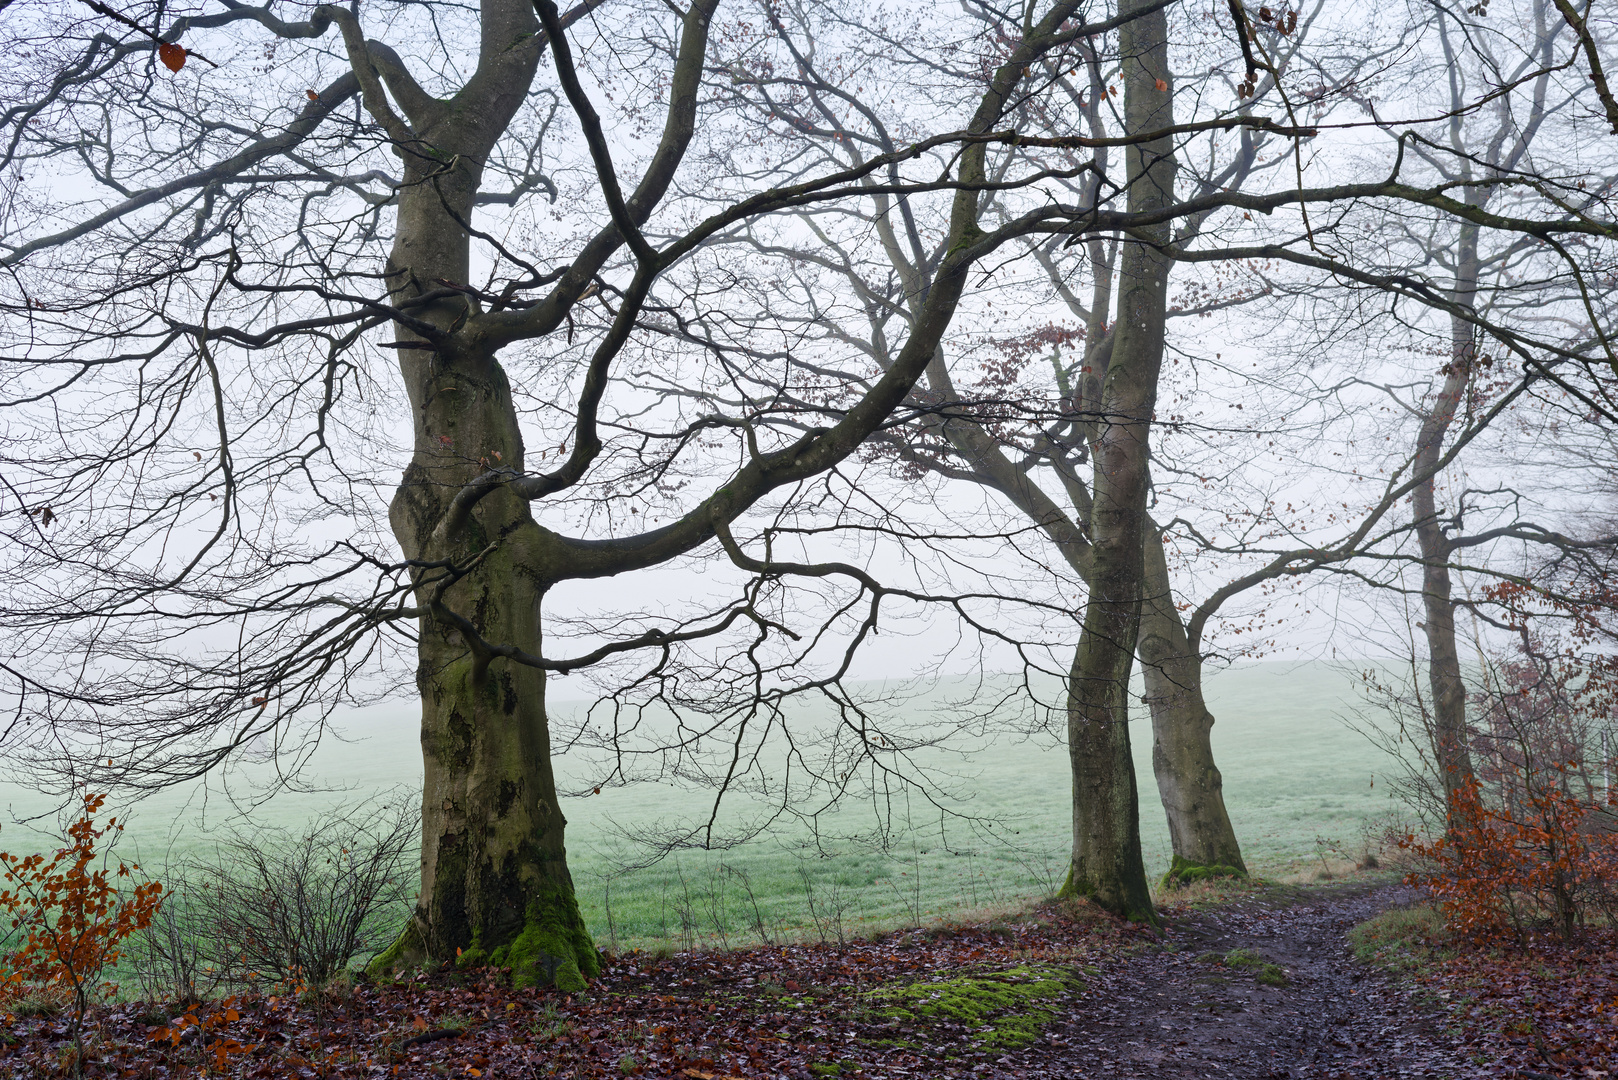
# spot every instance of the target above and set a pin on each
(71, 917)
(1162, 86)
(172, 55)
(1534, 855)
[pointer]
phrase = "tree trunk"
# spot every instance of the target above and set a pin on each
(1188, 781)
(1451, 753)
(494, 881)
(1107, 865)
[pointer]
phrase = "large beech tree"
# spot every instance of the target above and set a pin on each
(970, 424)
(1030, 441)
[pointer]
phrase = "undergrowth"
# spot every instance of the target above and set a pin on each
(1404, 939)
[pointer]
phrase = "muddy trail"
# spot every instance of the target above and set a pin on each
(1262, 988)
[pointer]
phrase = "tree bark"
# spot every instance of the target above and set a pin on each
(1188, 781)
(494, 881)
(1107, 866)
(1451, 753)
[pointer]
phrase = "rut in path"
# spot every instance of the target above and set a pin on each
(1171, 1013)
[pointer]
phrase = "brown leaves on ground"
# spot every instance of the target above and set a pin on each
(807, 1011)
(1550, 1008)
(783, 1011)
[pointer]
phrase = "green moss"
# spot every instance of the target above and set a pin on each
(1273, 975)
(1013, 1005)
(1075, 890)
(406, 951)
(1269, 974)
(554, 947)
(1183, 872)
(472, 957)
(1130, 909)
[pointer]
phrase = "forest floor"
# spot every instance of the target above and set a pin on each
(1262, 984)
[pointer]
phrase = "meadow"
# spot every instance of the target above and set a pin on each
(1304, 791)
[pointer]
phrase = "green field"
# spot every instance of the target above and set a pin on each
(1295, 775)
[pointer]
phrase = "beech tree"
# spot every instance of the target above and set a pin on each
(972, 426)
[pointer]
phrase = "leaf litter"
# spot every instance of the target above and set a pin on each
(1112, 1000)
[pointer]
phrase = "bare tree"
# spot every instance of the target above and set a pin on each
(983, 432)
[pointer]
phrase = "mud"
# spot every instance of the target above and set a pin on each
(1179, 1011)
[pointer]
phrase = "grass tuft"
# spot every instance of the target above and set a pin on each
(1403, 939)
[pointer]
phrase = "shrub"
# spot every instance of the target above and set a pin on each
(284, 906)
(173, 960)
(70, 918)
(1536, 853)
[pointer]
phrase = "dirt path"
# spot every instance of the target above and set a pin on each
(1179, 1012)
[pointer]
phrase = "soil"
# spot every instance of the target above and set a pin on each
(1179, 1011)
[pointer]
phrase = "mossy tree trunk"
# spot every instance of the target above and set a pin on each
(494, 878)
(494, 882)
(1107, 866)
(1188, 781)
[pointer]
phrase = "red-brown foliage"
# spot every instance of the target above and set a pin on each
(1505, 865)
(71, 916)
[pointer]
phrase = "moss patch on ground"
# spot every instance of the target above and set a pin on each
(1012, 1007)
(1267, 973)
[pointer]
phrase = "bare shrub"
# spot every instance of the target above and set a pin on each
(291, 906)
(172, 959)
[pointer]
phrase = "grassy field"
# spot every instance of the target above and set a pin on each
(1298, 782)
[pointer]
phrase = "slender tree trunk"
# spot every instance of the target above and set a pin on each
(1188, 781)
(494, 881)
(1451, 753)
(1107, 865)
